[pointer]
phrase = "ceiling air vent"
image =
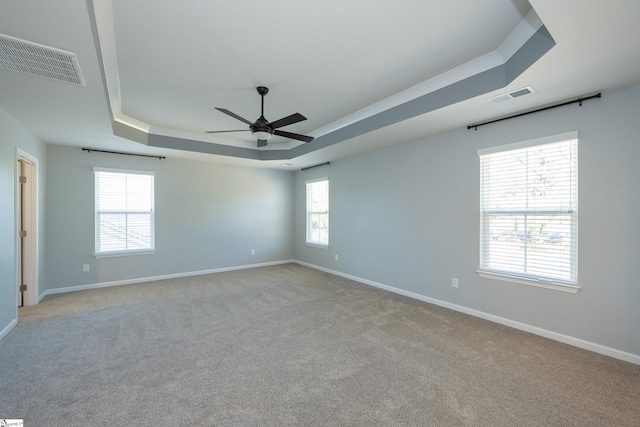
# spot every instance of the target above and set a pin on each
(38, 60)
(512, 95)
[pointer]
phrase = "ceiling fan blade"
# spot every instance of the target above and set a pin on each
(223, 131)
(262, 143)
(234, 115)
(294, 118)
(299, 137)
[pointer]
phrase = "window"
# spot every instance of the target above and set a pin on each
(124, 211)
(318, 212)
(529, 211)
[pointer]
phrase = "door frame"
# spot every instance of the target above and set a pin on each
(30, 297)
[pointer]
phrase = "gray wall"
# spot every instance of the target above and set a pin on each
(407, 217)
(14, 135)
(208, 216)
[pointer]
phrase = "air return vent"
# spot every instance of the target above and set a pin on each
(512, 95)
(38, 60)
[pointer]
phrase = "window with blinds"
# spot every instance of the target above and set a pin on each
(124, 211)
(318, 212)
(529, 209)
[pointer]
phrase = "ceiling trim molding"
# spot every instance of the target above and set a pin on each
(101, 14)
(470, 87)
(529, 41)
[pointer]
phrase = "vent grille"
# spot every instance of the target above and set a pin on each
(512, 95)
(38, 60)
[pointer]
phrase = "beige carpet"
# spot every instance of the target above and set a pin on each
(289, 345)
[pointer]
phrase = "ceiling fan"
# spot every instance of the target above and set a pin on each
(262, 129)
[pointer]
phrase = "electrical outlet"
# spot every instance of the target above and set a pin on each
(454, 282)
(253, 251)
(86, 267)
(337, 257)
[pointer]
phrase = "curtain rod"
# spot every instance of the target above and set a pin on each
(89, 150)
(315, 166)
(579, 101)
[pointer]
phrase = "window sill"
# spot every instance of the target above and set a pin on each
(317, 245)
(539, 283)
(124, 253)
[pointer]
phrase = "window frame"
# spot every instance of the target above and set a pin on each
(309, 213)
(531, 279)
(151, 213)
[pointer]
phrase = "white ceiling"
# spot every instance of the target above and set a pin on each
(162, 66)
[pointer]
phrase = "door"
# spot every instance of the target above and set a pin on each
(26, 232)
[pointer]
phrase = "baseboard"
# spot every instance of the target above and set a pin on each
(576, 342)
(8, 328)
(154, 278)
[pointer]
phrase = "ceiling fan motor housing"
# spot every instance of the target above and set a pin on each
(261, 125)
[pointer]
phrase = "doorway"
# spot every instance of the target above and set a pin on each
(26, 253)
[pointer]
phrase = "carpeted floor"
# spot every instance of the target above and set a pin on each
(290, 345)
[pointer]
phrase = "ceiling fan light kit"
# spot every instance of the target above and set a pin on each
(261, 129)
(261, 134)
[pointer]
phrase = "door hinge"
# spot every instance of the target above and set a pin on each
(23, 180)
(23, 233)
(23, 288)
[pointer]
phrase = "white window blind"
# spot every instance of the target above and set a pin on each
(318, 212)
(124, 211)
(529, 210)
